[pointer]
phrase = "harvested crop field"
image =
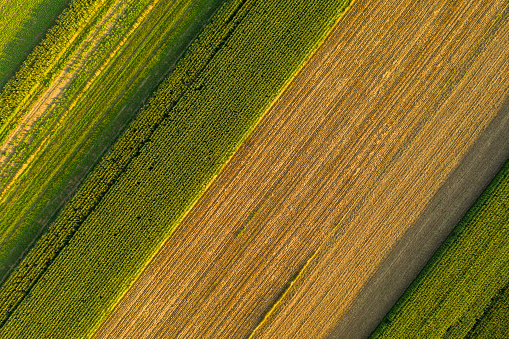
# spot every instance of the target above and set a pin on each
(461, 189)
(341, 167)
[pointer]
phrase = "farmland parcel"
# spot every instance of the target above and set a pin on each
(71, 99)
(338, 171)
(462, 292)
(141, 189)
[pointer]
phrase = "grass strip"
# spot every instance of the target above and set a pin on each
(22, 26)
(48, 59)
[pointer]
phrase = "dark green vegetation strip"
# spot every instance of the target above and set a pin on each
(494, 322)
(462, 292)
(22, 26)
(142, 188)
(119, 62)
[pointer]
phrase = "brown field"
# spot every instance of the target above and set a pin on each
(288, 237)
(458, 193)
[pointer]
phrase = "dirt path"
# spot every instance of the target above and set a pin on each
(341, 167)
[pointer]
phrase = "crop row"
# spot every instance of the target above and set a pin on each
(160, 165)
(112, 82)
(493, 323)
(465, 279)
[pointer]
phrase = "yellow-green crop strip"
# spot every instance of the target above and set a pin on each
(116, 67)
(463, 290)
(22, 26)
(494, 321)
(136, 196)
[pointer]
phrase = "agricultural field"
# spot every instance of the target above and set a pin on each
(462, 292)
(290, 232)
(22, 26)
(181, 138)
(253, 168)
(66, 106)
(493, 322)
(448, 206)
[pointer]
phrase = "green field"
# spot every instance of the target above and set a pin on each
(22, 26)
(115, 55)
(139, 191)
(463, 290)
(494, 321)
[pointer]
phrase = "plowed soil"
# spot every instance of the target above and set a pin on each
(339, 170)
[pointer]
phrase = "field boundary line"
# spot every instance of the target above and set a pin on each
(287, 290)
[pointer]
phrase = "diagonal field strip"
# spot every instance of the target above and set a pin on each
(340, 167)
(382, 207)
(22, 26)
(42, 105)
(397, 271)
